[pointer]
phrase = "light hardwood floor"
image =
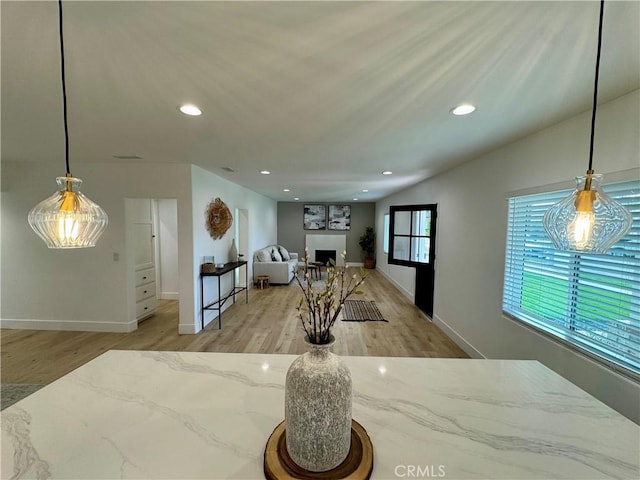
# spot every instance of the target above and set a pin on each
(268, 324)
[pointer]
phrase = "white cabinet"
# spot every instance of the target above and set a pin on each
(145, 293)
(141, 226)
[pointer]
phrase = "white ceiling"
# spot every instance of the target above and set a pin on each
(326, 95)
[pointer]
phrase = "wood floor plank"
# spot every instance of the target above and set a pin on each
(268, 324)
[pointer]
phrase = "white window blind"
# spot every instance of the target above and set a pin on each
(590, 301)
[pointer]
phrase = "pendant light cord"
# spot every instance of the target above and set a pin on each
(595, 88)
(64, 93)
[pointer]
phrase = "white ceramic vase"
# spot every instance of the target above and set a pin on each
(318, 396)
(233, 251)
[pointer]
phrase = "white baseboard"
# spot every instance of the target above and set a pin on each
(457, 338)
(355, 264)
(188, 329)
(193, 328)
(403, 290)
(68, 325)
(169, 296)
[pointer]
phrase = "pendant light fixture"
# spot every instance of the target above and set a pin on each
(67, 219)
(588, 221)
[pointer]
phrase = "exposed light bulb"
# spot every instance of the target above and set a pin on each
(580, 229)
(67, 218)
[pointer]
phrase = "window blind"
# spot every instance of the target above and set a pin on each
(590, 301)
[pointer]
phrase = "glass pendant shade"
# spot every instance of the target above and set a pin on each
(588, 220)
(68, 219)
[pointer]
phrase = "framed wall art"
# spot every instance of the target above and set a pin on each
(339, 217)
(315, 217)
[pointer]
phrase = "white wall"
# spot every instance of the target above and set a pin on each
(262, 213)
(471, 235)
(87, 289)
(82, 289)
(168, 248)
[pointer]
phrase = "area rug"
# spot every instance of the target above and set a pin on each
(14, 392)
(361, 311)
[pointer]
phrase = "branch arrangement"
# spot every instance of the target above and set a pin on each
(320, 306)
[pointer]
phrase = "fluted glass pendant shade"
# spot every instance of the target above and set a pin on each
(588, 220)
(68, 219)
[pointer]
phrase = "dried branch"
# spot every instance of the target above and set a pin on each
(320, 306)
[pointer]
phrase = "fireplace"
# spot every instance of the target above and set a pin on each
(323, 256)
(333, 244)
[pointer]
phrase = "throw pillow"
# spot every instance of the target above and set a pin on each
(263, 256)
(275, 255)
(284, 253)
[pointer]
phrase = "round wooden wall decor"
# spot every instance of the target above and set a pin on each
(218, 218)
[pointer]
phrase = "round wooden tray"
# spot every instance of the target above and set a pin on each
(357, 466)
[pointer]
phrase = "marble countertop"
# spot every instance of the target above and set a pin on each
(149, 415)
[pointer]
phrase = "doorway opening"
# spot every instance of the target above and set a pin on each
(152, 256)
(242, 237)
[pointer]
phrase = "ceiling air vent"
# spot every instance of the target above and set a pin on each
(127, 157)
(228, 169)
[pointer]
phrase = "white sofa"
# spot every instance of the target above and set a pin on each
(269, 261)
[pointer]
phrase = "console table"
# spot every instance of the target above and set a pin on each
(190, 415)
(218, 273)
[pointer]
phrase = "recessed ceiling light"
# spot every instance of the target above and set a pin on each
(387, 172)
(355, 199)
(286, 190)
(189, 109)
(296, 198)
(265, 172)
(463, 109)
(365, 190)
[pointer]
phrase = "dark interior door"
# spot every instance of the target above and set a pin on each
(412, 242)
(424, 289)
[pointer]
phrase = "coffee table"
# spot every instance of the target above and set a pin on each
(317, 268)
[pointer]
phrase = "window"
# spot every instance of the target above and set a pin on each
(412, 233)
(385, 239)
(590, 301)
